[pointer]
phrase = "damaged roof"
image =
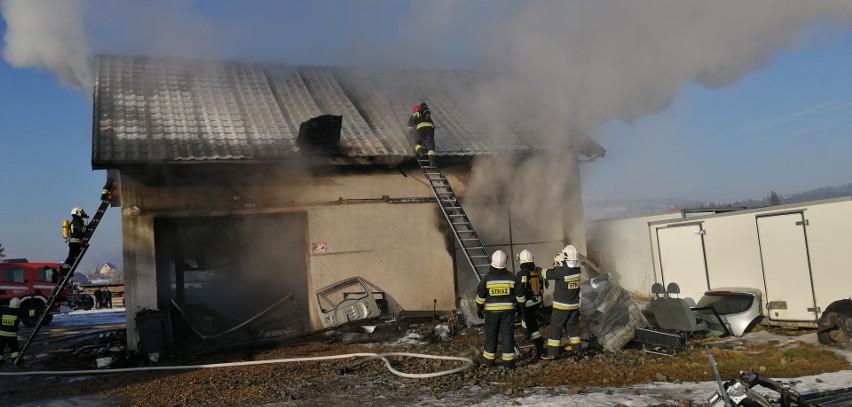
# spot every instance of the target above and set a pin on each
(155, 110)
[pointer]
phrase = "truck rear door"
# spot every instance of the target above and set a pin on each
(786, 267)
(682, 261)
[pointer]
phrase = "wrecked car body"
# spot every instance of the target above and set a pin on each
(349, 300)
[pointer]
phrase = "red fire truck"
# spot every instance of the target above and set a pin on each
(32, 283)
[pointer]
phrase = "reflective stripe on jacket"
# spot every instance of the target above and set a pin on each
(78, 230)
(419, 121)
(566, 293)
(9, 321)
(529, 276)
(497, 291)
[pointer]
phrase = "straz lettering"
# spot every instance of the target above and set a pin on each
(499, 290)
(573, 285)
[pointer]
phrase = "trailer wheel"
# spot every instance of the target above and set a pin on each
(30, 311)
(829, 330)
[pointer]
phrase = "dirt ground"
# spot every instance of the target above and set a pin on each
(320, 383)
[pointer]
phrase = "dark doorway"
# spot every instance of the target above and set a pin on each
(218, 272)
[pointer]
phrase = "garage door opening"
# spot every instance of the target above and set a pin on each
(230, 279)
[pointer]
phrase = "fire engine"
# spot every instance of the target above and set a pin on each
(32, 283)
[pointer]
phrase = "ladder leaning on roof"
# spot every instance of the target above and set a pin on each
(106, 199)
(474, 251)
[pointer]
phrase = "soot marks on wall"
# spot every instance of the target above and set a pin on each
(224, 270)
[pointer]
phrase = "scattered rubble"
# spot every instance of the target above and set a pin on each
(313, 383)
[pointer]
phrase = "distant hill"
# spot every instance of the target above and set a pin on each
(609, 207)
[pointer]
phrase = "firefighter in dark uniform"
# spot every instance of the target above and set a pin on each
(566, 303)
(421, 125)
(529, 276)
(76, 233)
(497, 298)
(10, 316)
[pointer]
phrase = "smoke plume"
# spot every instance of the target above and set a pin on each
(565, 67)
(48, 35)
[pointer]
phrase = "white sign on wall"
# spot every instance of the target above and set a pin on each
(319, 248)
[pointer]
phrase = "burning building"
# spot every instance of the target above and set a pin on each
(245, 187)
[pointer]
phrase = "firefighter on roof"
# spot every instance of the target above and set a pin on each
(497, 297)
(421, 125)
(566, 303)
(10, 316)
(76, 231)
(529, 277)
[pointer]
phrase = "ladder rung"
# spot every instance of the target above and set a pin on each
(466, 231)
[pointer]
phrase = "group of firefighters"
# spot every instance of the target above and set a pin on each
(501, 294)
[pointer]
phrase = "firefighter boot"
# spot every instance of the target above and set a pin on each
(432, 159)
(419, 150)
(485, 362)
(539, 347)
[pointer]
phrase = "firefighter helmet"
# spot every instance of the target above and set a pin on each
(415, 109)
(571, 256)
(570, 253)
(15, 303)
(78, 211)
(526, 256)
(498, 259)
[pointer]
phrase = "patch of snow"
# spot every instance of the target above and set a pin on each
(108, 316)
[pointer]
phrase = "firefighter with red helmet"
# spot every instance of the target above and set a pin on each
(421, 126)
(529, 277)
(76, 232)
(497, 297)
(566, 303)
(10, 317)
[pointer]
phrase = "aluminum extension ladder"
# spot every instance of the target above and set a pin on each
(106, 199)
(474, 251)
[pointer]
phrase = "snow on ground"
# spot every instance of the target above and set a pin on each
(637, 395)
(671, 393)
(659, 393)
(107, 316)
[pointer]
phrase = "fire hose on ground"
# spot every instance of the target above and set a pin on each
(371, 356)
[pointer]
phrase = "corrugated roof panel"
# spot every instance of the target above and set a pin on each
(386, 120)
(161, 110)
(356, 137)
(292, 95)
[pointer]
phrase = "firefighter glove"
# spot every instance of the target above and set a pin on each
(480, 311)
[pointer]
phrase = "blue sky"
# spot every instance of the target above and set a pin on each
(785, 127)
(782, 127)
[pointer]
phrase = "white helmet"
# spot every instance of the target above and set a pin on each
(498, 259)
(572, 259)
(526, 256)
(15, 303)
(78, 211)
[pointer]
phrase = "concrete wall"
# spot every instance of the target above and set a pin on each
(403, 249)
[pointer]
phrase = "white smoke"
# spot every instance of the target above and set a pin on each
(575, 64)
(48, 35)
(566, 67)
